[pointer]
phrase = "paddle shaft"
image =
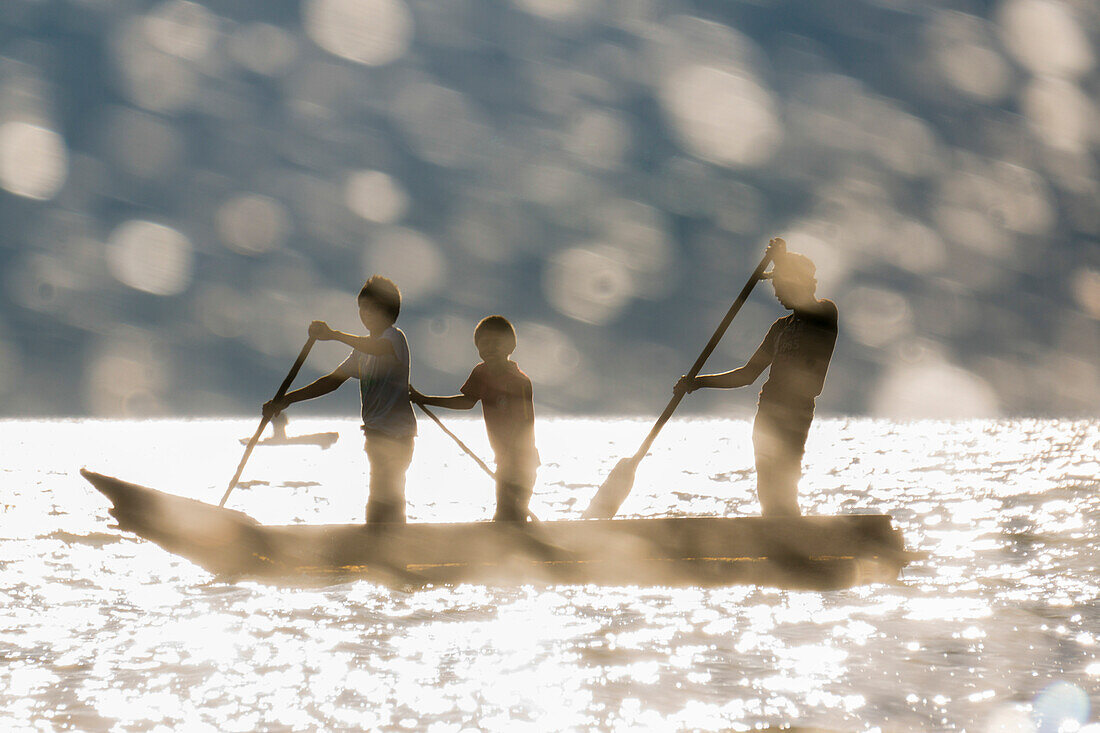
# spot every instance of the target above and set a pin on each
(265, 419)
(468, 451)
(463, 446)
(757, 274)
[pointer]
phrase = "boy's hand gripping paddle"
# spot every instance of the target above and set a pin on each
(615, 488)
(265, 420)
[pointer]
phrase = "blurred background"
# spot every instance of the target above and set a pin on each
(185, 185)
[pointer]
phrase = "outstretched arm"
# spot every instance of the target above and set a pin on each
(367, 344)
(737, 377)
(452, 402)
(317, 388)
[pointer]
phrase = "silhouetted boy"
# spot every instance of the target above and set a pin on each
(381, 364)
(507, 402)
(798, 347)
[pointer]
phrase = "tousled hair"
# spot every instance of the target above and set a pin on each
(383, 292)
(796, 267)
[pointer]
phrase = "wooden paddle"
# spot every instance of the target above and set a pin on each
(615, 488)
(468, 451)
(265, 419)
(455, 438)
(536, 545)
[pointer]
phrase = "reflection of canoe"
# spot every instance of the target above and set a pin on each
(814, 552)
(325, 440)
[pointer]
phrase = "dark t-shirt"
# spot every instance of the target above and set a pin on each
(799, 347)
(507, 401)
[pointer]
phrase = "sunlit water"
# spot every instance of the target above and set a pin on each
(997, 630)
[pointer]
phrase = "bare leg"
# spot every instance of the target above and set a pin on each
(389, 460)
(514, 488)
(779, 440)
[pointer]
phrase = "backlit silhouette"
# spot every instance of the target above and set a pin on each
(507, 403)
(381, 364)
(798, 348)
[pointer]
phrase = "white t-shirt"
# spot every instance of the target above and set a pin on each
(384, 386)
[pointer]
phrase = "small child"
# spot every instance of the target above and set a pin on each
(507, 402)
(381, 364)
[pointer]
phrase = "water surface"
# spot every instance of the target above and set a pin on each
(997, 630)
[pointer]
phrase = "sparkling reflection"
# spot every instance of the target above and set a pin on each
(996, 631)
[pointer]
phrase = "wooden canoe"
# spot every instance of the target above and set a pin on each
(796, 552)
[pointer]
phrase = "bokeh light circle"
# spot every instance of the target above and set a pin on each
(1060, 706)
(263, 48)
(252, 224)
(587, 284)
(126, 376)
(962, 47)
(375, 196)
(409, 258)
(546, 354)
(1046, 37)
(723, 117)
(371, 32)
(933, 390)
(182, 28)
(560, 10)
(150, 257)
(33, 160)
(1061, 113)
(1086, 291)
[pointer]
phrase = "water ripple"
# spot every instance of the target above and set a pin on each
(997, 628)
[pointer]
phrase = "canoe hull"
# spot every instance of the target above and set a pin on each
(800, 552)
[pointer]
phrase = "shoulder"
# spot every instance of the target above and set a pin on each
(780, 324)
(474, 383)
(350, 366)
(827, 311)
(477, 374)
(520, 375)
(396, 335)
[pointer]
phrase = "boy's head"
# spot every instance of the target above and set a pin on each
(793, 277)
(379, 303)
(494, 338)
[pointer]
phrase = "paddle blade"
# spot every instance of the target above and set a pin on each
(614, 490)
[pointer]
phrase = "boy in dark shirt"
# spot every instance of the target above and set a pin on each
(381, 364)
(798, 347)
(507, 402)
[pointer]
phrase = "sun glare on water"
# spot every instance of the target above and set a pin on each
(994, 631)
